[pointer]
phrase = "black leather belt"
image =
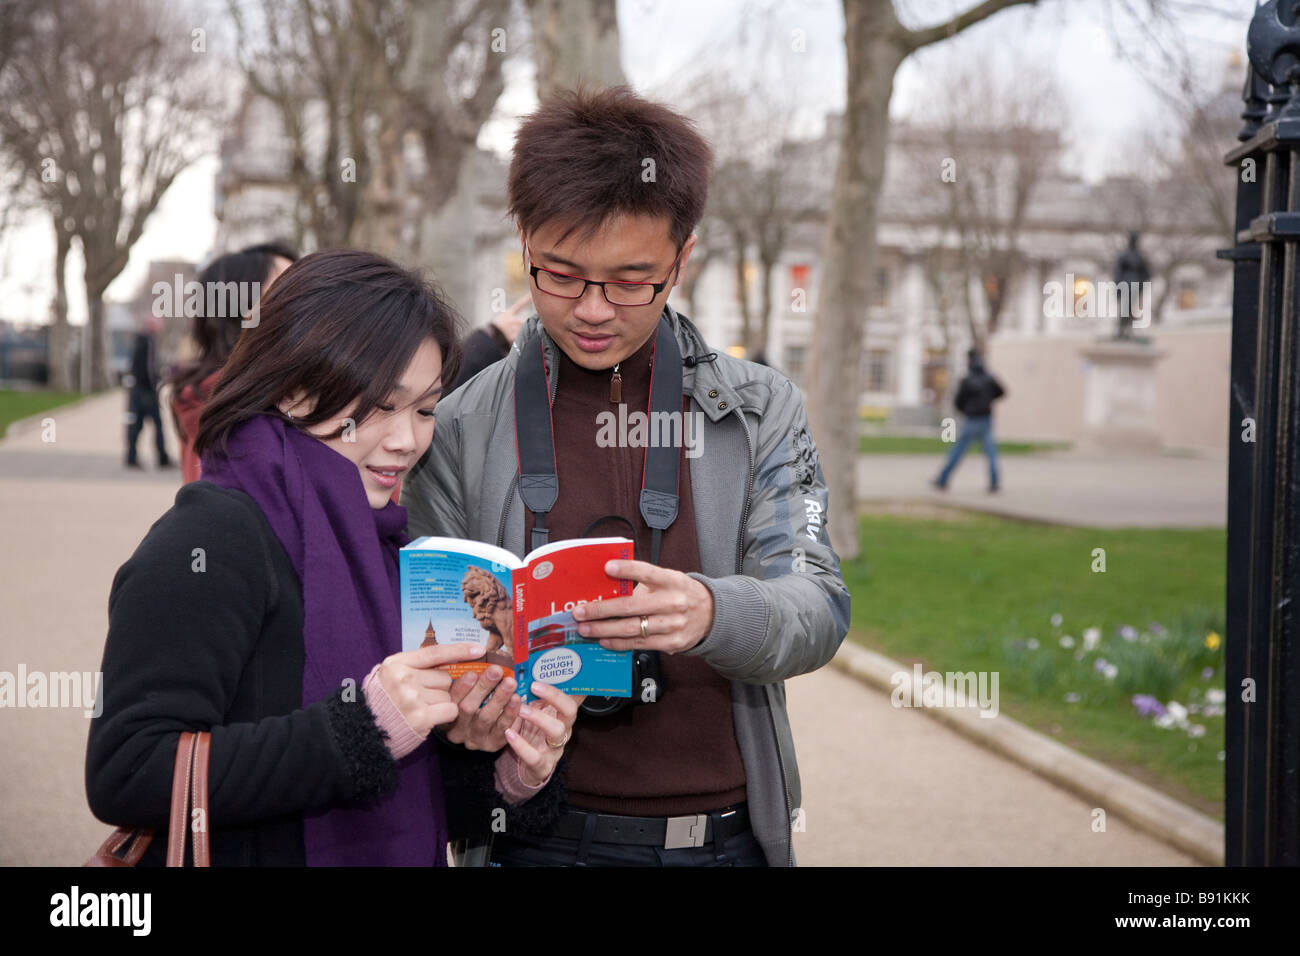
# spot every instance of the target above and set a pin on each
(671, 833)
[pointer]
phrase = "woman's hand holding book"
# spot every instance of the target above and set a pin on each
(487, 707)
(539, 734)
(419, 688)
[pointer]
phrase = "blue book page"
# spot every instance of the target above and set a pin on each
(559, 655)
(450, 597)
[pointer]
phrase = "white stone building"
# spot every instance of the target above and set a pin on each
(1069, 234)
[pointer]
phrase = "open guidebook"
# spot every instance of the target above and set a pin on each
(456, 591)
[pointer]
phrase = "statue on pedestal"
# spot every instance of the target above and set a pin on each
(1130, 267)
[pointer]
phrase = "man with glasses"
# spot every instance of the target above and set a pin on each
(736, 585)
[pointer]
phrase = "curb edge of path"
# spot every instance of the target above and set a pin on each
(970, 507)
(32, 422)
(1144, 807)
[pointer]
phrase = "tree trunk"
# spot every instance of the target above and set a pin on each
(575, 41)
(742, 293)
(874, 53)
(447, 123)
(60, 377)
(691, 275)
(1155, 310)
(446, 247)
(98, 341)
(875, 44)
(971, 325)
(766, 268)
(996, 299)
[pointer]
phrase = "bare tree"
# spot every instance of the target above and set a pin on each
(451, 85)
(104, 110)
(999, 176)
(1208, 123)
(990, 140)
(729, 202)
(724, 234)
(759, 192)
(326, 66)
(705, 252)
(1171, 185)
(575, 42)
(781, 201)
(355, 83)
(21, 192)
(947, 283)
(876, 44)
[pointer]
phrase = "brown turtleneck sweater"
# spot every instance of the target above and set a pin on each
(679, 755)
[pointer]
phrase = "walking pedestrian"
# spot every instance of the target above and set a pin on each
(142, 395)
(976, 394)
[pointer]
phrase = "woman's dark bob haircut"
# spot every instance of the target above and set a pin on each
(339, 326)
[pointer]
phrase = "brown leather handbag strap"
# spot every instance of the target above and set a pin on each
(189, 780)
(135, 843)
(199, 791)
(177, 822)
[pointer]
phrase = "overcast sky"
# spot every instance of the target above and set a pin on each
(1105, 98)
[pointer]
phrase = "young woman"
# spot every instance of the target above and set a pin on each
(215, 336)
(264, 605)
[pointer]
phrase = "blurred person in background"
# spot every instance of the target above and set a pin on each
(142, 394)
(491, 343)
(215, 337)
(975, 397)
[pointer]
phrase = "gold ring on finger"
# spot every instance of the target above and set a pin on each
(645, 626)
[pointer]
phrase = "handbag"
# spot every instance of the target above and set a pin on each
(125, 847)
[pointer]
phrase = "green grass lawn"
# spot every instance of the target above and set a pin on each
(980, 594)
(920, 445)
(15, 405)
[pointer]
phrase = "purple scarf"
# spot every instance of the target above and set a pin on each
(345, 553)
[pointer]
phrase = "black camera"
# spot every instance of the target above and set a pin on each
(647, 672)
(647, 687)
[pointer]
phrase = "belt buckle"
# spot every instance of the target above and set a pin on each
(683, 832)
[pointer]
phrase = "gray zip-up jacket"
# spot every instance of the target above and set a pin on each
(780, 605)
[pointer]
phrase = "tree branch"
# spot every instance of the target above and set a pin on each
(913, 40)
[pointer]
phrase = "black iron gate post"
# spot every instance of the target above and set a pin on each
(1262, 648)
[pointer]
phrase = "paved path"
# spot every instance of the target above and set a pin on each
(887, 786)
(1063, 487)
(71, 514)
(881, 785)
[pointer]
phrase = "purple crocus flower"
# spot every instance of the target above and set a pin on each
(1148, 706)
(1099, 664)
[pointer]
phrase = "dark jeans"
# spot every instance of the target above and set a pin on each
(142, 403)
(523, 850)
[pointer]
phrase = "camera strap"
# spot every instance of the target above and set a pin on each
(539, 483)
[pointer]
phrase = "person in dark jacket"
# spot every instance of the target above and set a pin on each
(142, 395)
(490, 343)
(976, 394)
(263, 607)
